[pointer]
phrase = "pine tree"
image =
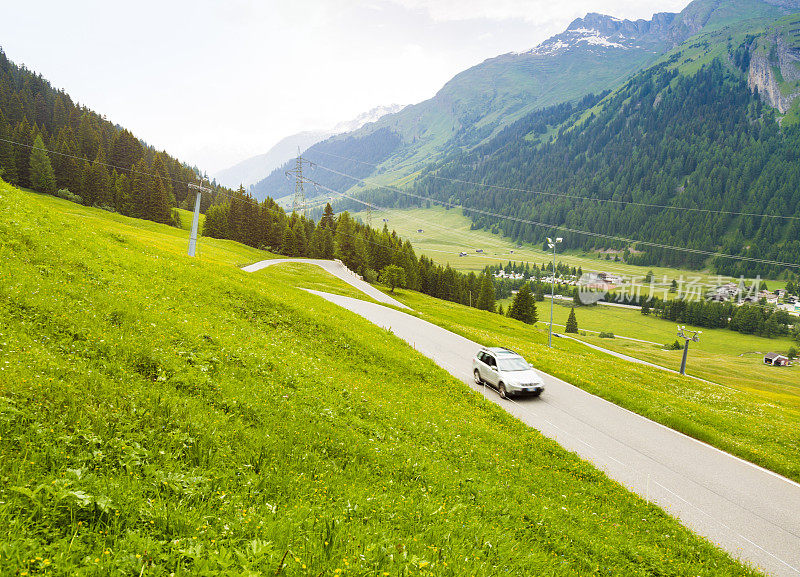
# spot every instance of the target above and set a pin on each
(328, 219)
(96, 184)
(287, 244)
(646, 307)
(315, 248)
(572, 322)
(328, 245)
(7, 158)
(523, 307)
(216, 223)
(140, 191)
(159, 208)
(300, 242)
(125, 151)
(43, 177)
(123, 201)
(486, 296)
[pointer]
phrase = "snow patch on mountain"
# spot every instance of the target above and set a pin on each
(598, 32)
(573, 39)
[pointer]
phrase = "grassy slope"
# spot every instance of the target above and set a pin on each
(160, 414)
(757, 421)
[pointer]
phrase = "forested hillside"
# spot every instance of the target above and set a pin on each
(698, 141)
(54, 145)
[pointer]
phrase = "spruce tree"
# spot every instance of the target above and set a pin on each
(523, 307)
(486, 296)
(140, 190)
(43, 177)
(572, 322)
(646, 307)
(7, 158)
(328, 219)
(300, 242)
(328, 246)
(287, 244)
(315, 248)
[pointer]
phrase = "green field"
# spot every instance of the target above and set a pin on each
(446, 233)
(722, 355)
(161, 415)
(186, 219)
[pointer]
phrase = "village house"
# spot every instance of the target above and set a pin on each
(776, 360)
(609, 278)
(770, 297)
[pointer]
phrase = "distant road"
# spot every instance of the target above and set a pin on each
(337, 269)
(750, 512)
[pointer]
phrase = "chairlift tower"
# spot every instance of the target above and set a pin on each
(196, 218)
(694, 338)
(552, 244)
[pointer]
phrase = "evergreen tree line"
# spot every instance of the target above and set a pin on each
(363, 249)
(701, 141)
(67, 149)
(747, 319)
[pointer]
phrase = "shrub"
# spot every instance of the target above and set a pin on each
(792, 354)
(371, 276)
(675, 346)
(67, 195)
(606, 335)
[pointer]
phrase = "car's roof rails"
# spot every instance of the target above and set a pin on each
(500, 350)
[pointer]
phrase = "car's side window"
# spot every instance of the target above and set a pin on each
(490, 361)
(482, 357)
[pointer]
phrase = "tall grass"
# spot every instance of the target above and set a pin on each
(161, 415)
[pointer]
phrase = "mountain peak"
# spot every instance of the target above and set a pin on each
(602, 32)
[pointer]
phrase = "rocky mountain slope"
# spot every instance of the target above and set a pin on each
(594, 54)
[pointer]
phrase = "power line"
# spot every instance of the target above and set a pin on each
(567, 229)
(84, 159)
(585, 198)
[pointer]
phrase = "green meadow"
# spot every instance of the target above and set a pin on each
(446, 233)
(161, 415)
(722, 356)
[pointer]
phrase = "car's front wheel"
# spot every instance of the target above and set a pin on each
(478, 379)
(502, 390)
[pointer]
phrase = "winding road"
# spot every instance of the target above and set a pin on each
(751, 512)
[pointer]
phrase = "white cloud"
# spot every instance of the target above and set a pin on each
(538, 11)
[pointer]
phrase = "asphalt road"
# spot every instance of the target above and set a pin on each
(752, 513)
(338, 270)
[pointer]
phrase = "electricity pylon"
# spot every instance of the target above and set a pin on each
(299, 201)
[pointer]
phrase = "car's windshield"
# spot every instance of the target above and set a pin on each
(512, 364)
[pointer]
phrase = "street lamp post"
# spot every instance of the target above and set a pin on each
(552, 244)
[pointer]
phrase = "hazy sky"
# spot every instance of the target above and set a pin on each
(216, 82)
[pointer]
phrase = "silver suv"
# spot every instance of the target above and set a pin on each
(507, 372)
